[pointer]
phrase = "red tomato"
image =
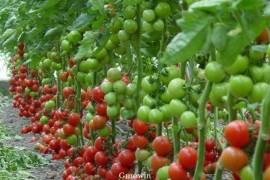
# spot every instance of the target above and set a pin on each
(74, 119)
(236, 133)
(118, 168)
(89, 168)
(233, 158)
(176, 172)
(99, 143)
(188, 157)
(89, 154)
(210, 144)
(78, 161)
(110, 176)
(140, 127)
(101, 171)
(97, 94)
(158, 162)
(68, 129)
(140, 141)
(101, 109)
(101, 159)
(162, 145)
(126, 158)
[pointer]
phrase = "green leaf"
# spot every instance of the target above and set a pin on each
(83, 20)
(185, 44)
(248, 4)
(266, 11)
(53, 32)
(87, 45)
(49, 4)
(219, 36)
(210, 5)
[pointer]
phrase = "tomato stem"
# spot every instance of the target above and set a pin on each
(202, 125)
(262, 138)
(218, 172)
(175, 137)
(232, 112)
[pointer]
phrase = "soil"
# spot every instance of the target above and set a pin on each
(11, 120)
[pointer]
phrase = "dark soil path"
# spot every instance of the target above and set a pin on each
(9, 117)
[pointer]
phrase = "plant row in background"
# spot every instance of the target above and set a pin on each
(173, 90)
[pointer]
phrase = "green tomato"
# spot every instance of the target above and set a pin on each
(101, 54)
(130, 26)
(246, 173)
(131, 89)
(129, 103)
(220, 90)
(104, 132)
(147, 27)
(93, 63)
(27, 90)
(214, 72)
(148, 85)
(116, 24)
(65, 45)
(47, 63)
(162, 173)
(123, 35)
(188, 119)
(149, 15)
(258, 92)
(106, 86)
(74, 37)
(255, 55)
(44, 120)
(89, 77)
(176, 88)
(119, 87)
(127, 114)
(143, 113)
(142, 154)
(85, 66)
(81, 77)
(240, 65)
(177, 107)
(110, 45)
(110, 98)
(149, 101)
(72, 139)
(169, 73)
(113, 111)
(89, 117)
(130, 12)
(50, 105)
(266, 72)
(166, 111)
(240, 85)
(166, 96)
(113, 74)
(163, 10)
(256, 73)
(159, 25)
(155, 116)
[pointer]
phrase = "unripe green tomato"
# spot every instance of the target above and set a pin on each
(113, 74)
(72, 139)
(148, 86)
(130, 26)
(119, 87)
(50, 105)
(188, 119)
(239, 66)
(155, 116)
(219, 90)
(88, 117)
(89, 78)
(176, 88)
(256, 73)
(74, 37)
(142, 154)
(255, 55)
(102, 54)
(57, 66)
(130, 12)
(147, 27)
(110, 45)
(258, 92)
(177, 107)
(149, 15)
(162, 173)
(149, 101)
(47, 63)
(65, 45)
(131, 89)
(246, 173)
(214, 72)
(143, 113)
(44, 120)
(104, 132)
(127, 114)
(166, 111)
(166, 96)
(93, 63)
(116, 24)
(114, 39)
(266, 73)
(123, 36)
(81, 77)
(240, 85)
(113, 111)
(110, 98)
(171, 72)
(27, 90)
(159, 25)
(129, 103)
(106, 86)
(163, 10)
